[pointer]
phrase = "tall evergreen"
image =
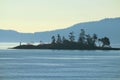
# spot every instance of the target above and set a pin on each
(90, 41)
(71, 37)
(59, 40)
(94, 39)
(63, 39)
(84, 41)
(53, 39)
(82, 36)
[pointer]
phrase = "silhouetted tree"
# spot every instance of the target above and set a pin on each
(82, 37)
(53, 39)
(105, 41)
(84, 42)
(94, 39)
(90, 41)
(71, 37)
(59, 39)
(63, 39)
(99, 42)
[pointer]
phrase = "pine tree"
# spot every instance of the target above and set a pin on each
(59, 39)
(71, 37)
(82, 36)
(53, 39)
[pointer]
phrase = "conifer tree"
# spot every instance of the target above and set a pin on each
(71, 37)
(53, 39)
(59, 39)
(82, 36)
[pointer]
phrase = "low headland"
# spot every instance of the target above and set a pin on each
(84, 42)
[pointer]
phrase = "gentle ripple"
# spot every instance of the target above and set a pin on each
(59, 65)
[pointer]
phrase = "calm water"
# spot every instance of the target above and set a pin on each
(59, 65)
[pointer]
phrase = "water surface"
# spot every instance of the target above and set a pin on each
(59, 65)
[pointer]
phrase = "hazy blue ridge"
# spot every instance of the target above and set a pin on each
(107, 27)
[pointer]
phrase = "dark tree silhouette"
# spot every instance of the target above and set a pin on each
(71, 37)
(53, 39)
(105, 41)
(94, 39)
(82, 37)
(90, 41)
(59, 40)
(63, 39)
(85, 42)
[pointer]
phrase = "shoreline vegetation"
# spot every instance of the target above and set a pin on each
(84, 42)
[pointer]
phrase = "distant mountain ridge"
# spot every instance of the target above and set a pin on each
(106, 27)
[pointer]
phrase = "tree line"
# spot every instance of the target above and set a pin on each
(84, 41)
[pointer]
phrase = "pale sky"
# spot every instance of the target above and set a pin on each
(43, 15)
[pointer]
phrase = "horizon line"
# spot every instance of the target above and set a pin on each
(62, 28)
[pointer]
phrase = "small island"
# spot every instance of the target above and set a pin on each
(84, 42)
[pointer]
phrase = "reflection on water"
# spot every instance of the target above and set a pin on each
(59, 65)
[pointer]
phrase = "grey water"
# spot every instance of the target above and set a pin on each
(59, 65)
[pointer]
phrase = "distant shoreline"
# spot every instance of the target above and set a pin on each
(61, 48)
(84, 42)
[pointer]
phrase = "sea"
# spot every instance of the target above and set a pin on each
(58, 64)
